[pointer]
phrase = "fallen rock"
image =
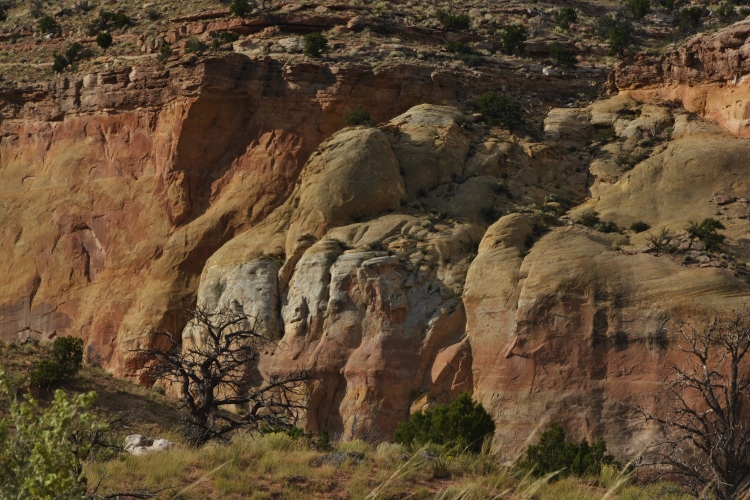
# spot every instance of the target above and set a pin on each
(138, 445)
(292, 45)
(356, 23)
(722, 199)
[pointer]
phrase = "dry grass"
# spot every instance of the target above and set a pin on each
(276, 466)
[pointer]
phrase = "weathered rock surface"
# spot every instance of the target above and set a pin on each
(138, 445)
(403, 310)
(119, 185)
(707, 74)
(405, 263)
(375, 307)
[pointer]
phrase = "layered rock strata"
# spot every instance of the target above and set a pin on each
(707, 74)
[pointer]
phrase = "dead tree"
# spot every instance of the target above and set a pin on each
(704, 408)
(219, 371)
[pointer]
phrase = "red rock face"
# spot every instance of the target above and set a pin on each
(118, 186)
(707, 74)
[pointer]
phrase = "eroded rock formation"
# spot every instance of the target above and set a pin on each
(707, 74)
(405, 263)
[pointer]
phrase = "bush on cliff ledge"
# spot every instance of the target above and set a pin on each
(315, 44)
(499, 108)
(461, 424)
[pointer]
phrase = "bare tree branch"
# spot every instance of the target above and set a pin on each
(219, 371)
(704, 407)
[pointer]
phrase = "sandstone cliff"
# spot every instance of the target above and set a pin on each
(117, 186)
(406, 263)
(403, 310)
(707, 74)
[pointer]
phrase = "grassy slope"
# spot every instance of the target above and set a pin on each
(275, 466)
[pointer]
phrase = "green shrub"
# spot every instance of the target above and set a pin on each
(638, 8)
(48, 25)
(239, 8)
(607, 134)
(725, 11)
(667, 4)
(606, 227)
(565, 17)
(563, 56)
(465, 53)
(589, 219)
(64, 362)
(639, 227)
(315, 44)
(153, 15)
(617, 32)
(36, 10)
(108, 20)
(690, 19)
(564, 199)
(358, 116)
(3, 14)
(553, 453)
(43, 456)
(513, 38)
(453, 22)
(122, 21)
(499, 108)
(59, 63)
(72, 54)
(459, 48)
(104, 40)
(228, 37)
(460, 424)
(195, 46)
(165, 52)
(707, 233)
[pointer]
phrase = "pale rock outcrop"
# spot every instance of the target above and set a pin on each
(375, 306)
(138, 445)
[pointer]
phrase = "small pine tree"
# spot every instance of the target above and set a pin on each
(707, 233)
(562, 56)
(239, 8)
(165, 52)
(64, 361)
(104, 40)
(499, 108)
(553, 453)
(462, 424)
(315, 44)
(691, 18)
(513, 38)
(48, 25)
(565, 17)
(453, 22)
(638, 8)
(358, 116)
(59, 63)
